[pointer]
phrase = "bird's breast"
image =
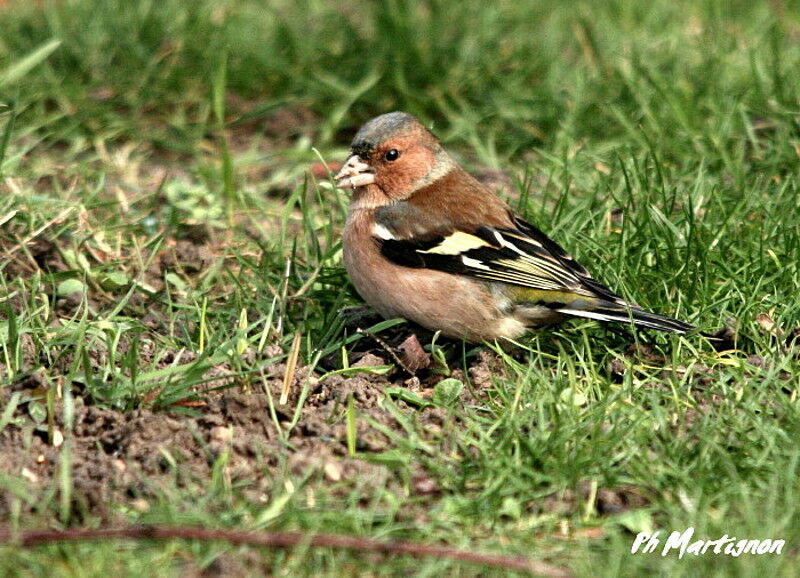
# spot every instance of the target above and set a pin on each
(456, 305)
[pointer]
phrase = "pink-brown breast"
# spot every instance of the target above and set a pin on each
(458, 306)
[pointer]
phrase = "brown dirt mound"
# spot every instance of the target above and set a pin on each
(127, 458)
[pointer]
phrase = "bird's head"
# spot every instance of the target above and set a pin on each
(395, 154)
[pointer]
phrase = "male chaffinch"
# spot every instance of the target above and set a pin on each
(426, 241)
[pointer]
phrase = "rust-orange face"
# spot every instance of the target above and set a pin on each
(395, 153)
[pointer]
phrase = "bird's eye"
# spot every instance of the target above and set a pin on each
(392, 155)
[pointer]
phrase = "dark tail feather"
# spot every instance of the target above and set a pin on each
(613, 312)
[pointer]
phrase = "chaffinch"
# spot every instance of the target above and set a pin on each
(426, 241)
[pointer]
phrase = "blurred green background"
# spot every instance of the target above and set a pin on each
(503, 77)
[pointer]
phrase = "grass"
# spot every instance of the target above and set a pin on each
(660, 142)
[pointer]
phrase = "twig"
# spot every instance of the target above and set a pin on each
(385, 346)
(281, 540)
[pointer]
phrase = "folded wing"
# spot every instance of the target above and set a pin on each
(521, 256)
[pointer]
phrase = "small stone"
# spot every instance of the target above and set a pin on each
(29, 475)
(222, 434)
(424, 485)
(370, 360)
(333, 471)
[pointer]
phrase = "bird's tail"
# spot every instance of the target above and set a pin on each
(621, 313)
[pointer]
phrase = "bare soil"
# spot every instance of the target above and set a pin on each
(129, 457)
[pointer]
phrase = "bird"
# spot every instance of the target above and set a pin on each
(426, 241)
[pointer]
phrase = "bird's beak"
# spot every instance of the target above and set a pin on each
(355, 173)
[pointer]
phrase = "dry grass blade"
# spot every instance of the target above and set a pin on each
(291, 366)
(58, 219)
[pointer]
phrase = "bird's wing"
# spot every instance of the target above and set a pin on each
(521, 255)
